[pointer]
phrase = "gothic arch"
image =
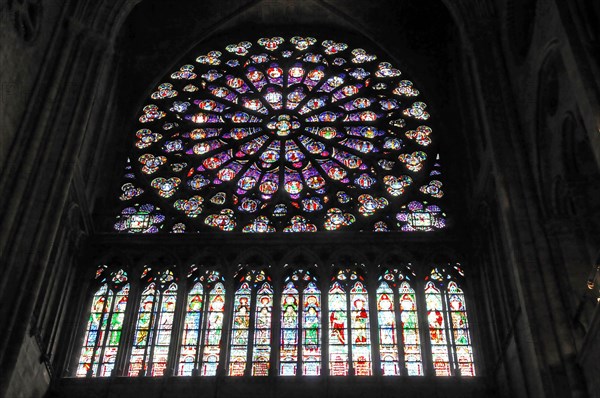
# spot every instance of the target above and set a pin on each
(254, 257)
(207, 258)
(301, 257)
(395, 257)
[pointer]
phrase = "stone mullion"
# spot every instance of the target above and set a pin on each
(374, 324)
(179, 325)
(449, 331)
(400, 330)
(350, 332)
(301, 286)
(201, 343)
(252, 324)
(223, 368)
(276, 325)
(177, 329)
(129, 326)
(324, 286)
(57, 189)
(423, 321)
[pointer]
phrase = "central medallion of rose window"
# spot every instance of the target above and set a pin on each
(283, 125)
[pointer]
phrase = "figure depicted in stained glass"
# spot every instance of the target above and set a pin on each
(360, 320)
(386, 319)
(311, 322)
(337, 325)
(289, 312)
(215, 319)
(264, 317)
(145, 317)
(241, 321)
(436, 325)
(201, 340)
(448, 324)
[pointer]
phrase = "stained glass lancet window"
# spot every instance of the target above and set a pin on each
(348, 301)
(451, 347)
(396, 295)
(261, 354)
(413, 359)
(255, 292)
(283, 134)
(105, 324)
(288, 351)
(154, 325)
(203, 325)
(300, 349)
(386, 316)
(238, 349)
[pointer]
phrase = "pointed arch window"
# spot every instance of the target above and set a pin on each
(105, 324)
(154, 325)
(411, 339)
(348, 301)
(397, 305)
(301, 299)
(201, 340)
(255, 292)
(386, 317)
(451, 346)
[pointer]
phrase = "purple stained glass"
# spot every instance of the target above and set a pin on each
(291, 122)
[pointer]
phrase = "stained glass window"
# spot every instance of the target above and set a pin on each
(152, 337)
(361, 340)
(452, 351)
(460, 330)
(437, 330)
(388, 346)
(413, 359)
(301, 299)
(261, 355)
(213, 332)
(338, 330)
(348, 300)
(105, 324)
(239, 331)
(254, 287)
(201, 339)
(288, 351)
(283, 135)
(397, 305)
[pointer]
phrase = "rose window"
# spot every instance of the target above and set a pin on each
(295, 135)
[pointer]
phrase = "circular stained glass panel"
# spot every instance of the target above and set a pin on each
(292, 135)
